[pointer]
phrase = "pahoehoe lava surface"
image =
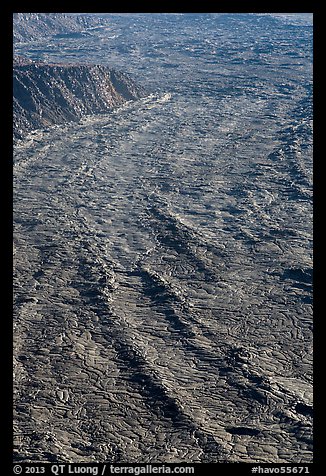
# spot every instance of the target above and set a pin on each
(163, 251)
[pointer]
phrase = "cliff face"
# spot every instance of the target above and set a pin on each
(36, 26)
(48, 94)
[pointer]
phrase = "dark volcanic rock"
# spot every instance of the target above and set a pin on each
(48, 94)
(163, 253)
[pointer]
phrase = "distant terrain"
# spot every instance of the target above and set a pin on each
(38, 26)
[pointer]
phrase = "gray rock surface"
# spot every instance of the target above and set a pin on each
(163, 251)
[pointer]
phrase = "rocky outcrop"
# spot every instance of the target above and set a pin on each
(48, 94)
(36, 26)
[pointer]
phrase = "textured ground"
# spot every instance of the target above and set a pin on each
(163, 266)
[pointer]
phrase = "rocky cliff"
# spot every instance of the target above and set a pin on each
(48, 94)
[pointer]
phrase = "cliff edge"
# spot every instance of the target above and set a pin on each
(47, 94)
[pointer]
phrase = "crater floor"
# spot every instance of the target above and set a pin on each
(163, 262)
